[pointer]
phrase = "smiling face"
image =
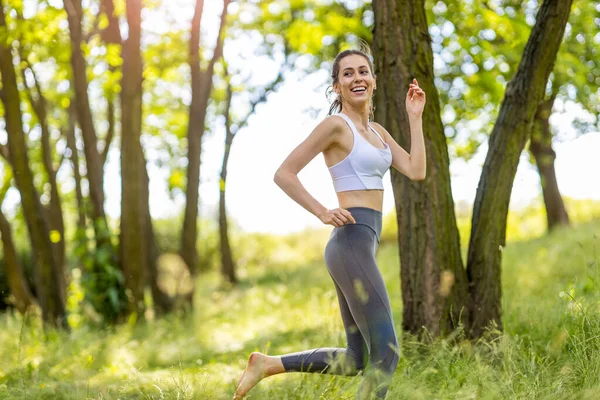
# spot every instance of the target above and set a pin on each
(355, 80)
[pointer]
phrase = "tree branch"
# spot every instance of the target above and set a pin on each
(220, 39)
(4, 152)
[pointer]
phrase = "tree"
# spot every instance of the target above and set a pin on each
(479, 45)
(201, 90)
(511, 130)
(51, 299)
(19, 289)
(104, 282)
(437, 294)
(428, 238)
(133, 253)
(231, 130)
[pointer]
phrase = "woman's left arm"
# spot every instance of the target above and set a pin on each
(412, 165)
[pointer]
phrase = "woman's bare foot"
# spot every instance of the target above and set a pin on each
(259, 366)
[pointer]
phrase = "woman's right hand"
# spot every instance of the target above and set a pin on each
(337, 217)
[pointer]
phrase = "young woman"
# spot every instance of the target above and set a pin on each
(358, 153)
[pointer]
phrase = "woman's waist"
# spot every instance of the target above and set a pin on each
(361, 198)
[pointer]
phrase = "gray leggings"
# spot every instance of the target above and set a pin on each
(365, 308)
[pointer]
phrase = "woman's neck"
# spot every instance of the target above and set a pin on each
(359, 115)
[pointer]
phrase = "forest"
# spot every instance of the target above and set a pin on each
(125, 270)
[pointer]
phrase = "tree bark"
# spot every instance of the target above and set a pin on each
(434, 286)
(17, 284)
(201, 89)
(227, 264)
(48, 272)
(541, 148)
(162, 302)
(133, 250)
(84, 116)
(488, 232)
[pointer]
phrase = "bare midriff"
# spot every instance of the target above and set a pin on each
(361, 198)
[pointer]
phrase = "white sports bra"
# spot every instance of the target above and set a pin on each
(364, 167)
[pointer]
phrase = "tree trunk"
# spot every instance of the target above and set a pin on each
(434, 287)
(541, 148)
(86, 123)
(162, 302)
(111, 34)
(17, 284)
(133, 248)
(227, 264)
(48, 272)
(105, 290)
(488, 232)
(72, 145)
(201, 89)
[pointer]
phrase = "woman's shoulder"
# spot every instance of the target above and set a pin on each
(333, 123)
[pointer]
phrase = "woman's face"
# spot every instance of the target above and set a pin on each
(355, 80)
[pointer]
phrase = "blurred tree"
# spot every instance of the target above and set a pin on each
(133, 241)
(39, 105)
(104, 285)
(201, 90)
(434, 286)
(19, 289)
(84, 116)
(231, 130)
(49, 294)
(139, 252)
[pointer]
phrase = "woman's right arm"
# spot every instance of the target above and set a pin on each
(324, 136)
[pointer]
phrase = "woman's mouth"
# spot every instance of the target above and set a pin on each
(359, 89)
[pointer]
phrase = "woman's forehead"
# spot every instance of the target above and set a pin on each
(353, 61)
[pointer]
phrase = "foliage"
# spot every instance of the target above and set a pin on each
(478, 46)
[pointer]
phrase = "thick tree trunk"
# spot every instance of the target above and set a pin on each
(48, 272)
(488, 232)
(541, 147)
(134, 256)
(201, 89)
(434, 287)
(227, 264)
(23, 299)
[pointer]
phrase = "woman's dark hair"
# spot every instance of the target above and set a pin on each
(336, 106)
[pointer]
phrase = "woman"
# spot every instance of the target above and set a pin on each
(358, 153)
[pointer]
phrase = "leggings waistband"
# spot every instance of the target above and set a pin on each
(368, 216)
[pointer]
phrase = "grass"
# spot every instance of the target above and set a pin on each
(550, 348)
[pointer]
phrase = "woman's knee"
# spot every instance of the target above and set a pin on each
(358, 357)
(387, 355)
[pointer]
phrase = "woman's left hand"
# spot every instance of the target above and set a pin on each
(415, 100)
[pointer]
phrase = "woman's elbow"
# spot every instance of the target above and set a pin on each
(418, 176)
(279, 176)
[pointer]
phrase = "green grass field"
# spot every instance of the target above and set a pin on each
(550, 348)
